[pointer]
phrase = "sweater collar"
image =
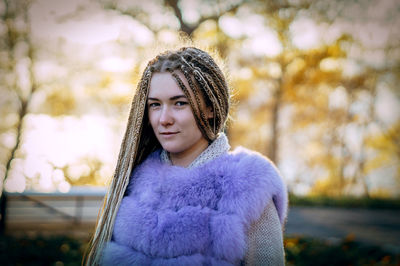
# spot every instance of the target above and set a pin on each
(218, 147)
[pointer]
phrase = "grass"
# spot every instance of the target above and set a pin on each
(56, 250)
(310, 251)
(59, 251)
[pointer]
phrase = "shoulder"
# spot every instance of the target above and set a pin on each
(253, 164)
(255, 178)
(246, 156)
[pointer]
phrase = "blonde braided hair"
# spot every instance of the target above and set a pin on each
(206, 81)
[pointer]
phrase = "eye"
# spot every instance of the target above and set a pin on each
(153, 105)
(181, 103)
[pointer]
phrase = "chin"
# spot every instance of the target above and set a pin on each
(171, 148)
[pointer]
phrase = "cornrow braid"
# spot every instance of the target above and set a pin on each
(218, 112)
(210, 134)
(212, 99)
(206, 81)
(217, 76)
(129, 156)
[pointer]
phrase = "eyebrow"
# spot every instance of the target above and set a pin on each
(171, 99)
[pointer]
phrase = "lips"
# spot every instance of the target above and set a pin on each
(168, 133)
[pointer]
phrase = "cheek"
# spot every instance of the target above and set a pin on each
(190, 122)
(186, 117)
(152, 119)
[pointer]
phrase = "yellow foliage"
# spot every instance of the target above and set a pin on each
(251, 130)
(120, 100)
(380, 160)
(243, 88)
(380, 193)
(207, 33)
(387, 148)
(326, 186)
(60, 101)
(297, 65)
(314, 151)
(106, 81)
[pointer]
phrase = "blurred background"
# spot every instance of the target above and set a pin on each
(314, 85)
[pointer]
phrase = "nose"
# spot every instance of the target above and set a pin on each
(166, 118)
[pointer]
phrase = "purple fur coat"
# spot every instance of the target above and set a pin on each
(172, 215)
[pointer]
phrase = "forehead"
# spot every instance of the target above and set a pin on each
(165, 83)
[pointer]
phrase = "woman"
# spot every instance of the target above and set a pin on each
(179, 196)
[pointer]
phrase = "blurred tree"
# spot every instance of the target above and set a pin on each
(296, 81)
(182, 16)
(292, 72)
(17, 83)
(387, 147)
(177, 11)
(303, 82)
(287, 96)
(299, 75)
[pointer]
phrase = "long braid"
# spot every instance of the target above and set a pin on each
(223, 110)
(197, 95)
(128, 158)
(217, 76)
(217, 111)
(219, 79)
(213, 99)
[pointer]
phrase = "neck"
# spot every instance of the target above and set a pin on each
(185, 158)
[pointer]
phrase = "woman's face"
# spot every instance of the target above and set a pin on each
(172, 120)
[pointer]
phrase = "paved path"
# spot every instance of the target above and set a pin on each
(380, 227)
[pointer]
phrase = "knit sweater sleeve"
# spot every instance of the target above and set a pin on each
(265, 239)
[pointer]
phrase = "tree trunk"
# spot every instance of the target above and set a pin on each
(274, 143)
(24, 101)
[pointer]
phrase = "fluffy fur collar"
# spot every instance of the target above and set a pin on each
(178, 216)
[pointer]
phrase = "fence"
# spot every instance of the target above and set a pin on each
(73, 213)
